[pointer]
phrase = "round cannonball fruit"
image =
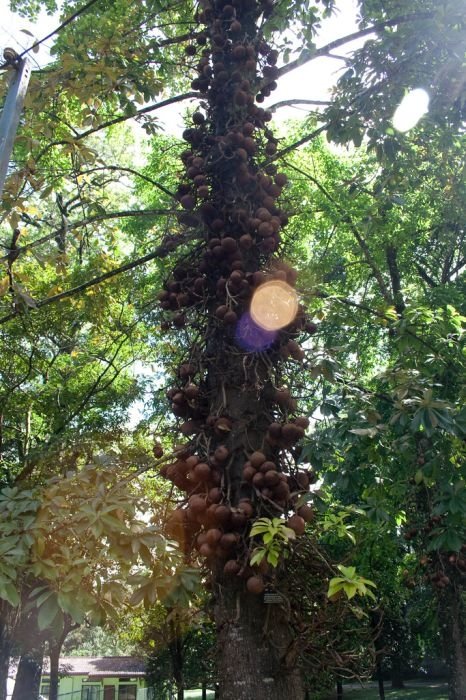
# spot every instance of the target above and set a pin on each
(255, 585)
(306, 513)
(221, 453)
(248, 473)
(213, 536)
(231, 568)
(257, 458)
(297, 523)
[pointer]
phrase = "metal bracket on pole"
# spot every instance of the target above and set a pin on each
(12, 108)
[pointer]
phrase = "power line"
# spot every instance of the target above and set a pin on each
(55, 31)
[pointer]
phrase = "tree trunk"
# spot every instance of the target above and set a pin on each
(55, 647)
(397, 673)
(380, 680)
(27, 684)
(177, 658)
(339, 689)
(54, 655)
(452, 615)
(235, 366)
(253, 642)
(5, 647)
(204, 691)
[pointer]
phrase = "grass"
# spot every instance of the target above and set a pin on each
(413, 691)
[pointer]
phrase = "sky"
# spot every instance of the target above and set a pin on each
(312, 81)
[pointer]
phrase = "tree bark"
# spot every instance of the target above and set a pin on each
(54, 655)
(176, 653)
(27, 684)
(253, 642)
(5, 648)
(452, 614)
(380, 680)
(397, 673)
(237, 365)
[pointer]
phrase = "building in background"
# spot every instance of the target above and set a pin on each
(99, 678)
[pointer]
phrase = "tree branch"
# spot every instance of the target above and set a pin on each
(311, 54)
(85, 222)
(160, 252)
(361, 242)
(133, 172)
(292, 103)
(118, 120)
(392, 263)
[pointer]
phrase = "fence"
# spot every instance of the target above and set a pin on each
(98, 694)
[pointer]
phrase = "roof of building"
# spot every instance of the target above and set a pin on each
(98, 666)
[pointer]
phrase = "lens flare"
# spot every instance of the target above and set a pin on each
(274, 305)
(412, 107)
(252, 337)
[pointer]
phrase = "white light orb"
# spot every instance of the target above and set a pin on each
(274, 305)
(412, 107)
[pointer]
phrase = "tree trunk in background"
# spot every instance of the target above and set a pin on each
(452, 617)
(4, 661)
(397, 673)
(27, 684)
(339, 689)
(176, 653)
(5, 645)
(54, 655)
(380, 680)
(249, 666)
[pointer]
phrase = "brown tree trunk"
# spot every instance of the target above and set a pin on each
(235, 367)
(452, 615)
(54, 655)
(176, 653)
(27, 684)
(253, 646)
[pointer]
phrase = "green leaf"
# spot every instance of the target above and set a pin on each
(48, 611)
(9, 592)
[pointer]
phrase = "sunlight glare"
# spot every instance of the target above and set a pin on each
(412, 107)
(274, 305)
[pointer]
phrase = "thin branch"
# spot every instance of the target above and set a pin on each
(426, 277)
(133, 172)
(347, 219)
(160, 252)
(292, 103)
(300, 142)
(118, 120)
(85, 222)
(311, 54)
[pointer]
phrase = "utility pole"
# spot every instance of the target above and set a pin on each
(12, 108)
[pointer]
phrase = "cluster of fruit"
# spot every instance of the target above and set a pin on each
(231, 203)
